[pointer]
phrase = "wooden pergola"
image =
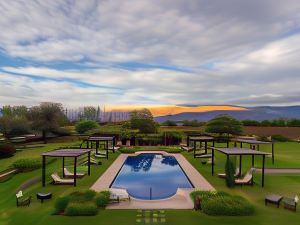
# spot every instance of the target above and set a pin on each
(254, 144)
(101, 141)
(200, 140)
(66, 153)
(240, 152)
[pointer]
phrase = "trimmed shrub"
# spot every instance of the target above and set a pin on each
(81, 209)
(227, 206)
(7, 150)
(89, 195)
(230, 171)
(86, 125)
(222, 204)
(61, 204)
(169, 123)
(60, 131)
(27, 164)
(102, 199)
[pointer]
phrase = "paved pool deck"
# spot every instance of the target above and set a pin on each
(180, 200)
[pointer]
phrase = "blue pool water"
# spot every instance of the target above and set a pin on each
(151, 176)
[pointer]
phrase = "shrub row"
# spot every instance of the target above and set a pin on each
(29, 164)
(81, 203)
(223, 204)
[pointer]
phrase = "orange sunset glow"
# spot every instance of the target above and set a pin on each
(163, 110)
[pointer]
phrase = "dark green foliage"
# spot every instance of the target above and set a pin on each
(169, 123)
(192, 123)
(86, 125)
(279, 138)
(61, 131)
(7, 150)
(230, 171)
(102, 199)
(81, 209)
(223, 204)
(61, 204)
(27, 164)
(143, 121)
(172, 137)
(293, 123)
(46, 117)
(149, 139)
(251, 123)
(224, 124)
(89, 195)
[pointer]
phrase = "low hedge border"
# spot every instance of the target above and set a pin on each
(222, 204)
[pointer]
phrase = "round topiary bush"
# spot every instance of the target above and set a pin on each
(7, 150)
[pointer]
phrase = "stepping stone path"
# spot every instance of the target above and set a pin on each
(145, 216)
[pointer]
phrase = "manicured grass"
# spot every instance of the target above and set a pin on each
(287, 155)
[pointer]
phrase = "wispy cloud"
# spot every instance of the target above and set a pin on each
(150, 52)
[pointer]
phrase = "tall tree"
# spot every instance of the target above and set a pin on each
(46, 117)
(89, 113)
(143, 120)
(224, 124)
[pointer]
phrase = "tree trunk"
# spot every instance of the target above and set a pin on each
(44, 136)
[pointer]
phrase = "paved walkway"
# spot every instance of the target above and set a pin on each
(180, 200)
(279, 171)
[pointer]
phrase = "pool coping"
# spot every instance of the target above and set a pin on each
(180, 200)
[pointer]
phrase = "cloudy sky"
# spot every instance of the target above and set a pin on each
(150, 52)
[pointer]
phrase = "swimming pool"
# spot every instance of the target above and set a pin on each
(151, 176)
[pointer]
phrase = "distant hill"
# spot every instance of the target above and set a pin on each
(252, 113)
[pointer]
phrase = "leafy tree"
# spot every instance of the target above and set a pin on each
(86, 125)
(46, 117)
(89, 113)
(193, 123)
(266, 123)
(229, 170)
(224, 124)
(169, 123)
(251, 123)
(143, 120)
(293, 123)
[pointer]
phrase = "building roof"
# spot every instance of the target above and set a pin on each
(66, 152)
(239, 151)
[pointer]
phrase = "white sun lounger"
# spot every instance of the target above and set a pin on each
(58, 180)
(68, 174)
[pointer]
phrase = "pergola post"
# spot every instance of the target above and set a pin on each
(114, 143)
(205, 144)
(97, 146)
(212, 162)
(263, 172)
(188, 141)
(106, 149)
(240, 172)
(252, 161)
(241, 145)
(194, 150)
(213, 144)
(272, 153)
(63, 166)
(89, 163)
(44, 171)
(75, 172)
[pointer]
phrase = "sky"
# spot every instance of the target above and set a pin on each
(155, 52)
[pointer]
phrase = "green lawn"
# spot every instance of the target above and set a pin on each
(287, 155)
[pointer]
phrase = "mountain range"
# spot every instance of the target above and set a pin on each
(249, 113)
